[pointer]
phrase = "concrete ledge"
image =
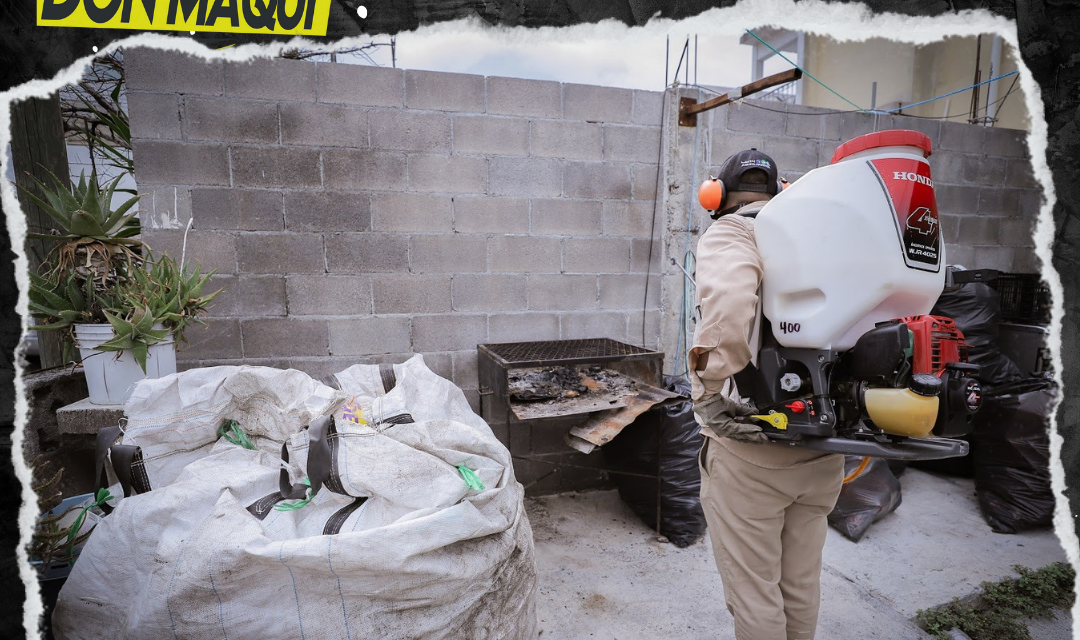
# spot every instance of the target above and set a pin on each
(82, 417)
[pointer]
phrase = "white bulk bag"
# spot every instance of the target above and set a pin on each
(395, 544)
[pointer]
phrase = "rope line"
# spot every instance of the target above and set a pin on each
(805, 72)
(951, 93)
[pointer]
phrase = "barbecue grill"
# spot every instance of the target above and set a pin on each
(497, 363)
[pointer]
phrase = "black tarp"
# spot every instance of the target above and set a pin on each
(665, 442)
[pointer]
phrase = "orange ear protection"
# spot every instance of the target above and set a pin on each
(711, 194)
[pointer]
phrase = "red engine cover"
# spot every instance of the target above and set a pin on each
(937, 343)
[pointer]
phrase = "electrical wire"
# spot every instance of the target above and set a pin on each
(652, 226)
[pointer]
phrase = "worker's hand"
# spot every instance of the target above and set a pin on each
(729, 419)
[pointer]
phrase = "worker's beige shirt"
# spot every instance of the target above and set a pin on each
(729, 272)
(728, 279)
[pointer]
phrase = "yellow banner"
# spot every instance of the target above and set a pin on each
(296, 17)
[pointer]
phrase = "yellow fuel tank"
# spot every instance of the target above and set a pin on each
(901, 412)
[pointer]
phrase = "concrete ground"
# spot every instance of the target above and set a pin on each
(604, 574)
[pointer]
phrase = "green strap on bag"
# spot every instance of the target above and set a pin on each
(471, 478)
(299, 504)
(231, 431)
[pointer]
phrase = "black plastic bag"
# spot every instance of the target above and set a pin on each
(866, 497)
(662, 442)
(976, 310)
(1012, 459)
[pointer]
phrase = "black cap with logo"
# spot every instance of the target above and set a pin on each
(731, 172)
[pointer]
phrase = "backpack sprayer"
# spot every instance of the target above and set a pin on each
(853, 260)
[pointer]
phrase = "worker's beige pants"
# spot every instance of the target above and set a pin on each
(767, 528)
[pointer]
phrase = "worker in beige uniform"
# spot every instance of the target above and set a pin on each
(765, 503)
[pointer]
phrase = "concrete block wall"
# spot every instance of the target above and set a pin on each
(357, 214)
(987, 196)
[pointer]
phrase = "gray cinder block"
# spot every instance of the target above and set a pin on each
(525, 254)
(648, 106)
(596, 180)
(567, 140)
(356, 169)
(237, 209)
(596, 255)
(447, 174)
(627, 291)
(487, 214)
(408, 131)
(154, 115)
(528, 177)
(224, 120)
(280, 253)
(491, 135)
(631, 144)
(411, 293)
(644, 178)
(160, 162)
(322, 211)
(451, 332)
(367, 253)
(977, 230)
(566, 217)
(756, 117)
(562, 292)
(440, 91)
(597, 104)
(217, 339)
(275, 167)
(518, 97)
(793, 156)
(247, 295)
(597, 324)
(455, 253)
(1000, 202)
(360, 84)
(523, 327)
(271, 79)
(621, 218)
(284, 337)
(489, 292)
(209, 249)
(1005, 142)
(411, 212)
(324, 125)
(329, 295)
(370, 335)
(187, 74)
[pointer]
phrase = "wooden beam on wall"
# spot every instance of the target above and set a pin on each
(37, 148)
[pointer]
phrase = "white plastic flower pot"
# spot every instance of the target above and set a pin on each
(111, 375)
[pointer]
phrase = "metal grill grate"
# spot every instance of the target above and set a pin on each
(562, 351)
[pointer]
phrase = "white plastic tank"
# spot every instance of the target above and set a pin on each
(853, 243)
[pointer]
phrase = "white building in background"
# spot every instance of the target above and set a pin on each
(915, 73)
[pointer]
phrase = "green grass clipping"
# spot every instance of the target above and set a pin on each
(999, 610)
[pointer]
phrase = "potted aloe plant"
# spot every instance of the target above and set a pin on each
(122, 307)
